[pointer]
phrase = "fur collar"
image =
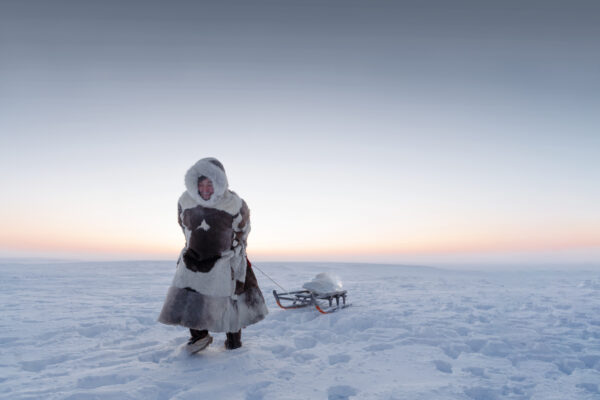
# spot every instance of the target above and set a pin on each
(222, 199)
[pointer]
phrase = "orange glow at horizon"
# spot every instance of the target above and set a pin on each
(87, 244)
(91, 247)
(428, 248)
(124, 245)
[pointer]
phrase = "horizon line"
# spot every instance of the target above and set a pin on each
(408, 263)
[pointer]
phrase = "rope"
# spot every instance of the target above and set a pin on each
(272, 280)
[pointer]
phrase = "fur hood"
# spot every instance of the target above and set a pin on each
(213, 170)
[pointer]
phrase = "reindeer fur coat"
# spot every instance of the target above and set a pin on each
(213, 288)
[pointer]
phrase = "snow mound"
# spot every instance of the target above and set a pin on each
(324, 283)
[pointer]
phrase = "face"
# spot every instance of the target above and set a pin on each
(205, 189)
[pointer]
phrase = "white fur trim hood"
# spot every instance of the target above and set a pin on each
(213, 170)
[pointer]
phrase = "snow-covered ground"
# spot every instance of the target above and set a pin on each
(89, 331)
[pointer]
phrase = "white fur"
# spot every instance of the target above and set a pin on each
(216, 282)
(219, 180)
(229, 202)
(205, 226)
(238, 264)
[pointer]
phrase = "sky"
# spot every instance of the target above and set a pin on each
(381, 131)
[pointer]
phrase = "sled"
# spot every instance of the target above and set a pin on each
(325, 303)
(324, 292)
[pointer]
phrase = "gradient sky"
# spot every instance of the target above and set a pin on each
(413, 132)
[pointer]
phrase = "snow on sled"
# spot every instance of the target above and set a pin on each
(324, 292)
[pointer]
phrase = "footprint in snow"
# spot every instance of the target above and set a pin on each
(591, 360)
(281, 351)
(462, 331)
(481, 393)
(589, 387)
(338, 358)
(453, 351)
(496, 348)
(256, 391)
(476, 344)
(305, 342)
(287, 375)
(568, 366)
(443, 366)
(303, 357)
(340, 392)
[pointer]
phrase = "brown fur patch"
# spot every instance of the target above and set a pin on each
(206, 245)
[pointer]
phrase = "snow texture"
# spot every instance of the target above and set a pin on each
(89, 331)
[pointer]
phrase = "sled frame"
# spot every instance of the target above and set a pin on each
(306, 298)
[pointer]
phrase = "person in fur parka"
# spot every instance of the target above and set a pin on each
(214, 288)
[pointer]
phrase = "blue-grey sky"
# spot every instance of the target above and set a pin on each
(400, 130)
